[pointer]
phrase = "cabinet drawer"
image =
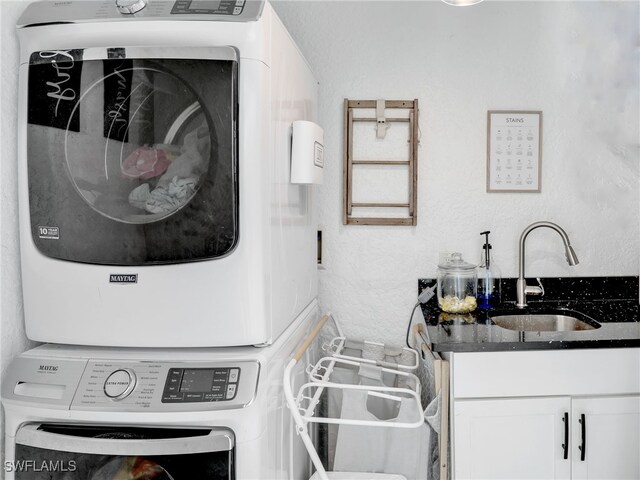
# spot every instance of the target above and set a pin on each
(549, 372)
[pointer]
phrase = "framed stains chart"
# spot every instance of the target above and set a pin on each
(514, 151)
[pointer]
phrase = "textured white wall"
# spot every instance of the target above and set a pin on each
(12, 337)
(577, 61)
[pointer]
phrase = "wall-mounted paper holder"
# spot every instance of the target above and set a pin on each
(307, 152)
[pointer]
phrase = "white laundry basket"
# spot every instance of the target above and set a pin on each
(373, 412)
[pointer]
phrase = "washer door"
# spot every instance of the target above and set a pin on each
(132, 154)
(72, 452)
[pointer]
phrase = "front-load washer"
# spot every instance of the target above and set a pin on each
(156, 207)
(97, 413)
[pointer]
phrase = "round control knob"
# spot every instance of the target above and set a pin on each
(129, 7)
(119, 384)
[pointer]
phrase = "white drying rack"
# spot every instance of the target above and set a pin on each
(303, 406)
(320, 375)
(409, 359)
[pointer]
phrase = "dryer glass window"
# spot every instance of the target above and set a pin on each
(132, 161)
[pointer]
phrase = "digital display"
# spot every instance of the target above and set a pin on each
(201, 384)
(209, 7)
(196, 380)
(204, 4)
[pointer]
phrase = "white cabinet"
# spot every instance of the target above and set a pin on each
(546, 415)
(511, 438)
(606, 438)
(548, 438)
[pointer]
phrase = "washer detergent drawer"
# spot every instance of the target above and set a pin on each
(78, 452)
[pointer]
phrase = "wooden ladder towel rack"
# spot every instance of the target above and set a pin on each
(411, 163)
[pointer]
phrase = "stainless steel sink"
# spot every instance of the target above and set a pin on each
(543, 323)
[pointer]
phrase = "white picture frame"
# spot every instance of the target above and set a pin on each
(514, 151)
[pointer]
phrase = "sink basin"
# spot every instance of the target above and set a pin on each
(543, 323)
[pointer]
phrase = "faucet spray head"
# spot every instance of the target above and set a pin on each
(572, 258)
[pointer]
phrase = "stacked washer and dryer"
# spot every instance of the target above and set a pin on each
(168, 261)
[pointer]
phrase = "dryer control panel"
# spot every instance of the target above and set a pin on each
(78, 11)
(209, 7)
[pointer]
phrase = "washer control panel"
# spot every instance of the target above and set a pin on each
(162, 386)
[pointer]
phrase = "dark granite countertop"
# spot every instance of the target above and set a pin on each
(612, 302)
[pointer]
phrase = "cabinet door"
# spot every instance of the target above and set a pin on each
(611, 445)
(520, 438)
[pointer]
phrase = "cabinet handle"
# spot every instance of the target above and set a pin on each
(583, 430)
(565, 445)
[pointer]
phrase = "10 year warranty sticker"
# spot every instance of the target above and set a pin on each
(49, 233)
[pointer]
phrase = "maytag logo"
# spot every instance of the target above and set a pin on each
(123, 279)
(48, 368)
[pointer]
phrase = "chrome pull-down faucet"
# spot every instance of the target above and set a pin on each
(521, 287)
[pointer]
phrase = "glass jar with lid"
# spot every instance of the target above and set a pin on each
(457, 285)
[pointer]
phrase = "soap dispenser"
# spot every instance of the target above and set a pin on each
(488, 277)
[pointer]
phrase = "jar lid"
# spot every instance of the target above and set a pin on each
(456, 262)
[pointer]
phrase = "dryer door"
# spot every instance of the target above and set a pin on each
(132, 154)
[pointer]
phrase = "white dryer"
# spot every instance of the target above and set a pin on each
(77, 413)
(154, 144)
